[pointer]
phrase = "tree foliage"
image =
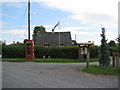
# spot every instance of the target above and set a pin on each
(36, 30)
(118, 39)
(112, 43)
(104, 59)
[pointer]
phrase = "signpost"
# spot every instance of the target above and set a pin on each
(85, 45)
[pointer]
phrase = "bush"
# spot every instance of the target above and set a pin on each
(94, 51)
(56, 52)
(113, 49)
(71, 52)
(15, 51)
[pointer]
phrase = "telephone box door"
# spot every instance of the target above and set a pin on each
(29, 49)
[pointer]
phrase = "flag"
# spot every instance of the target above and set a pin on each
(56, 25)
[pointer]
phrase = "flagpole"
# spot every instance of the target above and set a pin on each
(59, 33)
(75, 37)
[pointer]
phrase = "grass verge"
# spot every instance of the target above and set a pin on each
(52, 60)
(100, 70)
(13, 60)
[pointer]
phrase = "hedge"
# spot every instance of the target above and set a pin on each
(56, 52)
(94, 51)
(18, 51)
(14, 51)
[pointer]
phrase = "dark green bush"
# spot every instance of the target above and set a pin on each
(113, 49)
(119, 49)
(14, 51)
(56, 52)
(94, 51)
(18, 51)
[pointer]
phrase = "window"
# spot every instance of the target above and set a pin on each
(46, 44)
(61, 44)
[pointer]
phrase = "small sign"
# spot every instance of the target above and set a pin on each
(116, 54)
(28, 42)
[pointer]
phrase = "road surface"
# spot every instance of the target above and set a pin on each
(53, 75)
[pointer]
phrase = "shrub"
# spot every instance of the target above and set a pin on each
(104, 59)
(94, 51)
(56, 52)
(71, 52)
(15, 51)
(113, 49)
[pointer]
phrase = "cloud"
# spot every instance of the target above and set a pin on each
(19, 1)
(15, 4)
(1, 23)
(88, 11)
(14, 31)
(14, 35)
(46, 26)
(23, 26)
(77, 28)
(70, 28)
(96, 19)
(21, 31)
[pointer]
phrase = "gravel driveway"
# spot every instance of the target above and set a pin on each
(53, 75)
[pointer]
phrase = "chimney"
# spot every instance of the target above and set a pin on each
(13, 42)
(52, 30)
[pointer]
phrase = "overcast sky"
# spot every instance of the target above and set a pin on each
(82, 18)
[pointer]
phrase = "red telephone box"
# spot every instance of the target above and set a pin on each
(29, 49)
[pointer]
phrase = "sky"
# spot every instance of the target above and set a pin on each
(83, 18)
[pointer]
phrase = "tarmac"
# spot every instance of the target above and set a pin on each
(53, 75)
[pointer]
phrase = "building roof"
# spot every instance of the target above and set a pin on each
(46, 37)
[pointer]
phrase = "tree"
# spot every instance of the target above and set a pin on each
(118, 39)
(112, 43)
(36, 30)
(104, 59)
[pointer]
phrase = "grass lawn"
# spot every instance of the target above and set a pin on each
(100, 70)
(52, 60)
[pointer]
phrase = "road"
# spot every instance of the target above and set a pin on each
(53, 75)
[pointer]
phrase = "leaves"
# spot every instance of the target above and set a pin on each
(104, 59)
(36, 30)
